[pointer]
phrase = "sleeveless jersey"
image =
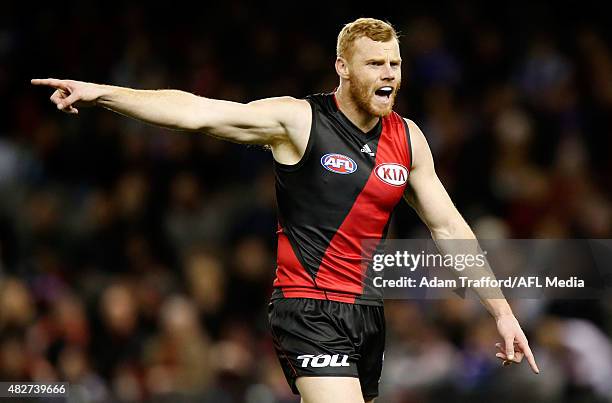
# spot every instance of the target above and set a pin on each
(341, 192)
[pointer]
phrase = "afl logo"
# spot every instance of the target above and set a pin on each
(338, 163)
(392, 174)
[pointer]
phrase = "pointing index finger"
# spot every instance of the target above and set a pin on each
(51, 82)
(530, 357)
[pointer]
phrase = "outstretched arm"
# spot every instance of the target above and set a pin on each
(433, 205)
(268, 121)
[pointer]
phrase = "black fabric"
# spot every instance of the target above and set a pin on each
(313, 202)
(324, 329)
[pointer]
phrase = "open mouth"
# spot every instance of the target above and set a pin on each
(384, 93)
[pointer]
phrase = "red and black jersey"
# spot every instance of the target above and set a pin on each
(341, 192)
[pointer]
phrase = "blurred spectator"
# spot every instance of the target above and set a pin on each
(582, 352)
(178, 360)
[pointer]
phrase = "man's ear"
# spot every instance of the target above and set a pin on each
(342, 68)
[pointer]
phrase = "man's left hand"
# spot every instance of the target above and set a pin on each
(515, 346)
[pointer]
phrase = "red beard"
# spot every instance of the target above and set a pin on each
(362, 95)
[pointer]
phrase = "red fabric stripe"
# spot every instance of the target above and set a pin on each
(297, 292)
(341, 269)
(289, 270)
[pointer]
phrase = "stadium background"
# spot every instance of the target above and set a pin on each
(137, 262)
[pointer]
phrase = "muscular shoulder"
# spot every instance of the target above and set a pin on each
(292, 113)
(295, 117)
(421, 154)
(286, 107)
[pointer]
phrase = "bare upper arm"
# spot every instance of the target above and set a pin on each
(266, 121)
(425, 192)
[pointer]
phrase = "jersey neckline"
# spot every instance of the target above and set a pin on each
(375, 131)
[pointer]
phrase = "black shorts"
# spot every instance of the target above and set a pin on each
(326, 338)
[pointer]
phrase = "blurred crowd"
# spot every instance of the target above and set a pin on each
(136, 263)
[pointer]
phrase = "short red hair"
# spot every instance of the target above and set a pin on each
(372, 28)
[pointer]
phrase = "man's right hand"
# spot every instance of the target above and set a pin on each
(71, 94)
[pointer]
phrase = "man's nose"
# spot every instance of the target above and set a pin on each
(388, 73)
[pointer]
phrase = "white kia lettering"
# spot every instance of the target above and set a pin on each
(392, 173)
